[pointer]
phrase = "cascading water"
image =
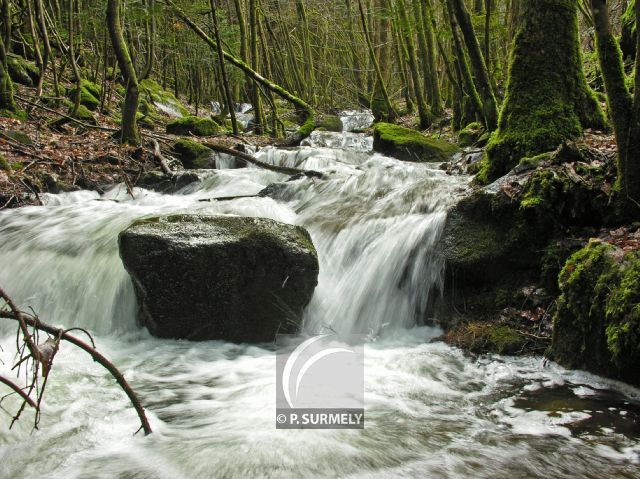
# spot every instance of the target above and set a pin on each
(431, 411)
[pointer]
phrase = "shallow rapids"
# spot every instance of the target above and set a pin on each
(431, 410)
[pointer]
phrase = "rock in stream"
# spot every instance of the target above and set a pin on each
(218, 277)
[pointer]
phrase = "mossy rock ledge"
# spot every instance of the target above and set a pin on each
(235, 279)
(597, 323)
(192, 125)
(193, 155)
(410, 145)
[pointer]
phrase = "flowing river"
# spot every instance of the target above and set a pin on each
(431, 410)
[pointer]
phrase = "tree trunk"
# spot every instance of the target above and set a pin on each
(547, 97)
(223, 70)
(150, 31)
(308, 124)
(480, 72)
(129, 133)
(624, 108)
(6, 85)
(426, 118)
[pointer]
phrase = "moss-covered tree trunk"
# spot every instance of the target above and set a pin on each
(7, 102)
(624, 107)
(547, 99)
(480, 72)
(129, 132)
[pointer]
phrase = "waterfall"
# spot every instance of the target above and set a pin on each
(375, 222)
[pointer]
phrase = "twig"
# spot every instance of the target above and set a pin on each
(254, 161)
(19, 392)
(95, 355)
(67, 117)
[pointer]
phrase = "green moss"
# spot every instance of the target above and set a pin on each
(89, 95)
(16, 115)
(4, 164)
(597, 323)
(84, 114)
(547, 99)
(484, 337)
(470, 134)
(153, 93)
(22, 71)
(192, 154)
(410, 145)
(19, 137)
(329, 123)
(193, 125)
(541, 190)
(534, 161)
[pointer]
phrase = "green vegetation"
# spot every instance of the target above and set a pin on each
(597, 324)
(547, 100)
(410, 145)
(193, 125)
(192, 154)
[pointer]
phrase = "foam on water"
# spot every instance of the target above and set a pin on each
(431, 410)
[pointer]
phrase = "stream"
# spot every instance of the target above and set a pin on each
(431, 410)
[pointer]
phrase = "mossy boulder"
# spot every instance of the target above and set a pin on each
(165, 101)
(410, 145)
(193, 155)
(193, 125)
(470, 134)
(597, 323)
(22, 71)
(485, 337)
(219, 277)
(329, 123)
(90, 94)
(85, 115)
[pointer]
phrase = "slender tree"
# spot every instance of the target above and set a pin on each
(624, 106)
(129, 133)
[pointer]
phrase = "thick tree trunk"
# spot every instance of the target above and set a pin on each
(129, 134)
(547, 99)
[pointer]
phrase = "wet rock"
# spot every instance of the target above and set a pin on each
(158, 181)
(22, 71)
(410, 145)
(470, 134)
(213, 277)
(193, 155)
(597, 323)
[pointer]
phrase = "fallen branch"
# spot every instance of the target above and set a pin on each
(18, 391)
(62, 335)
(164, 166)
(66, 117)
(254, 161)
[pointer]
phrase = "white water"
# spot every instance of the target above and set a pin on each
(431, 410)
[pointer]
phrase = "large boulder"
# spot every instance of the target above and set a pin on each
(218, 277)
(597, 321)
(410, 145)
